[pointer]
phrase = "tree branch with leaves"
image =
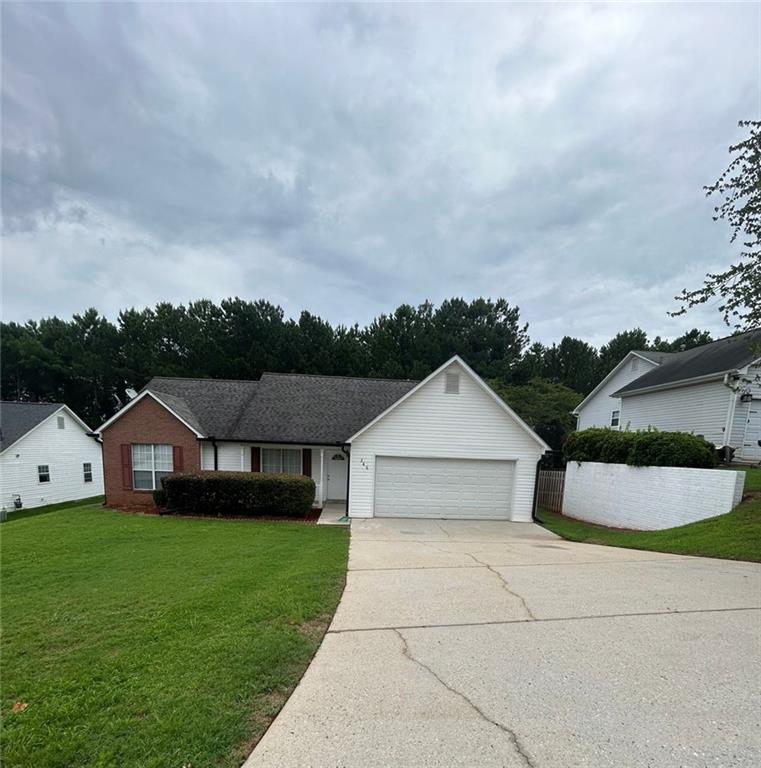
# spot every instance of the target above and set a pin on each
(739, 187)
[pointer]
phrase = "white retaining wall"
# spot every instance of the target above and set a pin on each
(648, 498)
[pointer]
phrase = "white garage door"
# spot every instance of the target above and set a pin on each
(443, 488)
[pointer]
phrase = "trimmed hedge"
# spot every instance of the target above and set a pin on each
(640, 449)
(249, 494)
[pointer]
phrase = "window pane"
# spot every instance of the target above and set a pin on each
(164, 460)
(143, 480)
(271, 460)
(292, 462)
(159, 475)
(142, 457)
(43, 473)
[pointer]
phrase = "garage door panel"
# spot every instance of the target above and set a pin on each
(443, 488)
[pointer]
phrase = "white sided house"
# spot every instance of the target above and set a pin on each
(713, 390)
(444, 447)
(47, 455)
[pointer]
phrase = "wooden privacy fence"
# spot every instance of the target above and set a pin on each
(550, 489)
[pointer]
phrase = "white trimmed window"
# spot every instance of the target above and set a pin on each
(615, 419)
(287, 460)
(43, 473)
(87, 471)
(149, 464)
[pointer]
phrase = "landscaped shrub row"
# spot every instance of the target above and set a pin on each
(640, 449)
(250, 494)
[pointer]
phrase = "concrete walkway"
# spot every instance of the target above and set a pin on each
(486, 644)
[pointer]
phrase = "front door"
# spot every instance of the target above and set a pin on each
(337, 471)
(751, 449)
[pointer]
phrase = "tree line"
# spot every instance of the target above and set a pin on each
(89, 362)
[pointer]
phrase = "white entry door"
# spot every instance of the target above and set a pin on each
(337, 469)
(751, 449)
(443, 488)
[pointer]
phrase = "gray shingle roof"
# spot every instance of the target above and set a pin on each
(16, 419)
(287, 408)
(718, 357)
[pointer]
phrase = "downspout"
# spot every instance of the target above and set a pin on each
(536, 491)
(345, 450)
(216, 454)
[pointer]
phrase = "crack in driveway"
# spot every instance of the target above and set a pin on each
(505, 584)
(512, 735)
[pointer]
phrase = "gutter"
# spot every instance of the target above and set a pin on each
(673, 384)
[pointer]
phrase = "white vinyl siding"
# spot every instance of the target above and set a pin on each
(443, 488)
(236, 457)
(746, 432)
(700, 409)
(433, 424)
(597, 411)
(63, 451)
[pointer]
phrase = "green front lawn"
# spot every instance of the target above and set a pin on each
(735, 536)
(132, 640)
(752, 477)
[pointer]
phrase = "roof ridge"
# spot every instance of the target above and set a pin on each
(28, 402)
(201, 378)
(338, 376)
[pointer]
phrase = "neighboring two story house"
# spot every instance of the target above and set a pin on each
(713, 390)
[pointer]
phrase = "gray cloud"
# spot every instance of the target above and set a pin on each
(347, 158)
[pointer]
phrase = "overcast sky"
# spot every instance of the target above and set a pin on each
(348, 158)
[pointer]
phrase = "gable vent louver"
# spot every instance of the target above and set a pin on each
(452, 384)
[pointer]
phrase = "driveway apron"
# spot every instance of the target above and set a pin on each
(465, 643)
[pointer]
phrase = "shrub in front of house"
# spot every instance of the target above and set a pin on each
(159, 497)
(239, 494)
(587, 444)
(640, 449)
(671, 449)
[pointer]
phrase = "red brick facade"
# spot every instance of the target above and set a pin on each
(145, 422)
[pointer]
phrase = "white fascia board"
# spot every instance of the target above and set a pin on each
(497, 399)
(135, 401)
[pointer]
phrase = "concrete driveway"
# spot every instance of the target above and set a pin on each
(498, 644)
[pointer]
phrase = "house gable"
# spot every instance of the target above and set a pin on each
(596, 409)
(474, 385)
(469, 424)
(146, 421)
(146, 393)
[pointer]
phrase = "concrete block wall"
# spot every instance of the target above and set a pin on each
(648, 498)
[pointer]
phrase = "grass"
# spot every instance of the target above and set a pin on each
(752, 477)
(735, 536)
(22, 514)
(155, 641)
